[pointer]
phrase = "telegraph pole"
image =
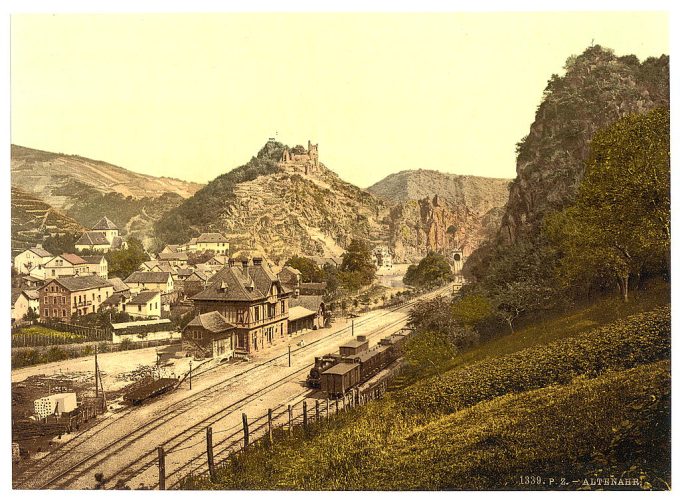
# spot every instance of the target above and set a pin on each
(288, 355)
(189, 374)
(96, 373)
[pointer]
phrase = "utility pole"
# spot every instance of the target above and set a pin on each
(352, 326)
(96, 373)
(189, 374)
(288, 355)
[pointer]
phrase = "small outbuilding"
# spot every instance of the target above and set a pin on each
(209, 335)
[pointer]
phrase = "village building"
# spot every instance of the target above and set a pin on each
(24, 301)
(195, 283)
(251, 297)
(215, 242)
(65, 297)
(217, 260)
(146, 304)
(97, 265)
(150, 280)
(33, 259)
(148, 265)
(333, 261)
(170, 249)
(121, 295)
(382, 258)
(66, 265)
(306, 313)
(178, 259)
(290, 277)
(209, 335)
(103, 236)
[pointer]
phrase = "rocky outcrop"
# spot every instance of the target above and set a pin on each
(597, 89)
(440, 211)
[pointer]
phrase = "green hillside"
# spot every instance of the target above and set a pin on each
(590, 401)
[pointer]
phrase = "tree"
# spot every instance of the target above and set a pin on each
(309, 271)
(432, 270)
(522, 296)
(357, 268)
(621, 219)
(59, 244)
(123, 262)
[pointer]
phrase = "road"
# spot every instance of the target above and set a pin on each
(123, 445)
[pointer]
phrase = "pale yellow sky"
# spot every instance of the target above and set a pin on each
(193, 96)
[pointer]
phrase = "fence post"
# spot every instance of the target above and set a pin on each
(246, 435)
(290, 420)
(336, 406)
(271, 433)
(304, 415)
(328, 414)
(211, 459)
(317, 411)
(161, 468)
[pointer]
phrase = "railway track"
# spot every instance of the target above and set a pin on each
(87, 464)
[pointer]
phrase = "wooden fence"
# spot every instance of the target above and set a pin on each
(298, 419)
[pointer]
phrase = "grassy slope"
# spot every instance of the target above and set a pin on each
(557, 398)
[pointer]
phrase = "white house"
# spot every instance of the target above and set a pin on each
(25, 300)
(31, 259)
(151, 280)
(215, 242)
(103, 236)
(66, 265)
(145, 304)
(97, 265)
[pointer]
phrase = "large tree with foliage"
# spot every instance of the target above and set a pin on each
(357, 268)
(123, 262)
(309, 271)
(433, 269)
(621, 220)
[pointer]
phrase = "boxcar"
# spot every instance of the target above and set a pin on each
(339, 378)
(354, 347)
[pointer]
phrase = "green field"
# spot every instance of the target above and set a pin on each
(579, 396)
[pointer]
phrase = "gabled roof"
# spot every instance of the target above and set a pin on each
(116, 242)
(184, 272)
(114, 299)
(298, 312)
(165, 267)
(144, 297)
(39, 251)
(92, 238)
(211, 238)
(309, 302)
(69, 258)
(149, 264)
(173, 256)
(118, 284)
(212, 322)
(197, 276)
(150, 277)
(105, 224)
(171, 247)
(93, 259)
(235, 283)
(80, 283)
(32, 294)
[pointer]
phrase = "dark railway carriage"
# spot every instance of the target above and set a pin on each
(354, 347)
(321, 364)
(339, 378)
(371, 362)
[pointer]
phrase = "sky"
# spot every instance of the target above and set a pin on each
(193, 96)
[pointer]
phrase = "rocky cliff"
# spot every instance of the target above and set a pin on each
(439, 211)
(597, 89)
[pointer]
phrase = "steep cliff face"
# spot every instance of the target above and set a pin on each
(597, 89)
(441, 212)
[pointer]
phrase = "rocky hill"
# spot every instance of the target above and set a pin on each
(440, 211)
(597, 89)
(33, 219)
(86, 189)
(281, 209)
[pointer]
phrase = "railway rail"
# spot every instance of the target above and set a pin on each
(39, 476)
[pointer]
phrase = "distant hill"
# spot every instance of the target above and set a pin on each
(279, 209)
(88, 189)
(440, 211)
(33, 219)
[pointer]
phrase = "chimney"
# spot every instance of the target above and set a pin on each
(231, 262)
(297, 292)
(244, 263)
(257, 261)
(361, 338)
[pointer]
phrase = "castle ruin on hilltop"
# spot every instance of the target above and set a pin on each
(302, 161)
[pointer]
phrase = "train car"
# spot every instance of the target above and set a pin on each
(321, 364)
(370, 362)
(336, 380)
(354, 347)
(150, 390)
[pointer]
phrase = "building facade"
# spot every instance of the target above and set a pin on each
(251, 297)
(65, 297)
(33, 259)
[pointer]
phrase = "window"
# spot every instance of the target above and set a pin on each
(257, 313)
(139, 307)
(283, 306)
(47, 312)
(197, 335)
(63, 313)
(239, 316)
(55, 313)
